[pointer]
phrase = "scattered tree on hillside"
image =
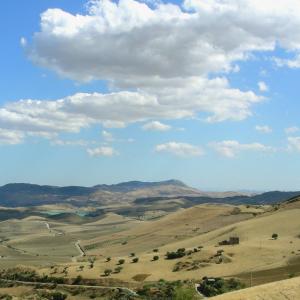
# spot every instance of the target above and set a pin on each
(108, 259)
(274, 236)
(121, 261)
(155, 257)
(135, 260)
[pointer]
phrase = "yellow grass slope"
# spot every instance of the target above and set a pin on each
(282, 290)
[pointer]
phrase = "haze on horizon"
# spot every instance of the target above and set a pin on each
(107, 91)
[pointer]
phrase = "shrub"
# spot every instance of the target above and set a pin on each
(155, 257)
(155, 250)
(121, 261)
(274, 236)
(108, 259)
(132, 254)
(135, 260)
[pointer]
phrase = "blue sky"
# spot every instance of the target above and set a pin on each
(124, 91)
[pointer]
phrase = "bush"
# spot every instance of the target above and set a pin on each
(132, 254)
(155, 257)
(121, 261)
(108, 259)
(135, 260)
(155, 250)
(274, 236)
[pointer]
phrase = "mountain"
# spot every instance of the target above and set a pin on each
(268, 198)
(23, 194)
(174, 192)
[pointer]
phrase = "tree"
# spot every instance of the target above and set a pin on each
(155, 257)
(107, 272)
(135, 260)
(118, 269)
(274, 236)
(108, 259)
(121, 261)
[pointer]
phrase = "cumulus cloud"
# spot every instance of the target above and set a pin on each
(162, 61)
(117, 109)
(262, 86)
(294, 143)
(232, 148)
(167, 51)
(102, 151)
(156, 126)
(180, 149)
(291, 130)
(263, 128)
(10, 137)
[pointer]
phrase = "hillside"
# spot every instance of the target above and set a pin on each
(282, 290)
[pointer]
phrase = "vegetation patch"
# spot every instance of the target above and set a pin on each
(210, 287)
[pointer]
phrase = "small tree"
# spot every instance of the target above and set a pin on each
(274, 236)
(108, 259)
(121, 261)
(107, 272)
(135, 260)
(155, 257)
(132, 254)
(155, 250)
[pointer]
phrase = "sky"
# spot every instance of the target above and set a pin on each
(204, 91)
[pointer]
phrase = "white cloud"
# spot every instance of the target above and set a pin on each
(262, 86)
(290, 63)
(165, 61)
(291, 130)
(156, 126)
(232, 148)
(128, 38)
(294, 143)
(9, 137)
(82, 110)
(102, 151)
(263, 128)
(180, 149)
(59, 142)
(167, 51)
(23, 42)
(107, 136)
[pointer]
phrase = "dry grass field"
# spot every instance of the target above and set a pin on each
(52, 247)
(283, 290)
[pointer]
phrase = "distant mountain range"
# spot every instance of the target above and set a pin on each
(136, 192)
